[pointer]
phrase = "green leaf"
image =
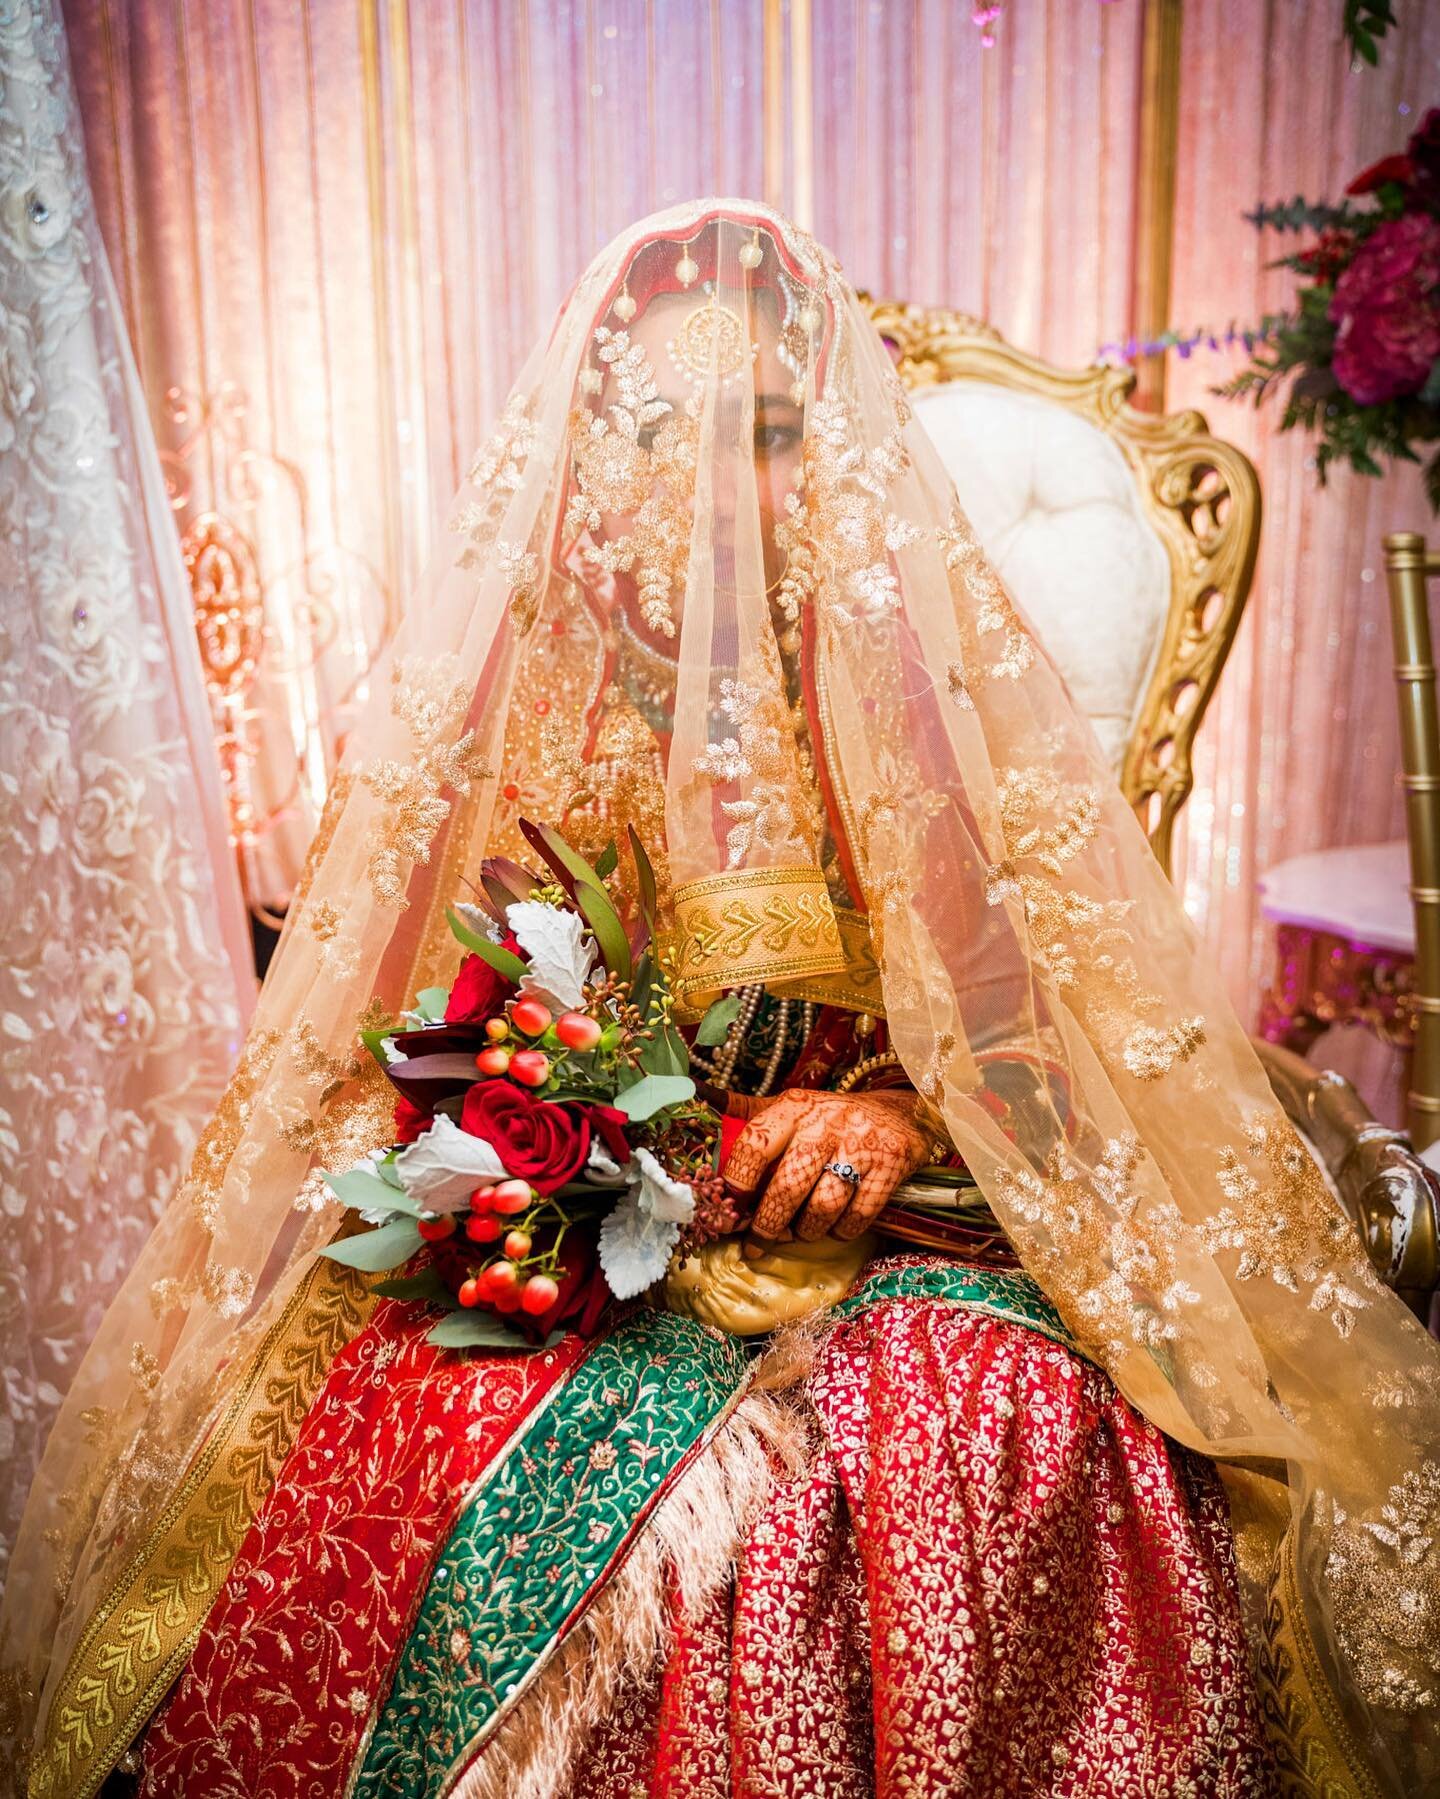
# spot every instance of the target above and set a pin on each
(368, 1192)
(430, 1003)
(714, 1027)
(425, 1285)
(373, 1040)
(649, 892)
(607, 861)
(477, 1330)
(666, 1053)
(653, 1094)
(1430, 393)
(387, 1247)
(604, 921)
(503, 961)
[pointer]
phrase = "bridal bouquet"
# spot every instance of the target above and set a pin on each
(550, 1149)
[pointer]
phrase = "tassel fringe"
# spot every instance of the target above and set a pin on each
(687, 1551)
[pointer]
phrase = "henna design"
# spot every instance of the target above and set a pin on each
(794, 1138)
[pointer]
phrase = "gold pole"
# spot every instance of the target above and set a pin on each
(1155, 193)
(772, 105)
(1407, 567)
(802, 201)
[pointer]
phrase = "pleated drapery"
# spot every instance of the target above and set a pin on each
(338, 226)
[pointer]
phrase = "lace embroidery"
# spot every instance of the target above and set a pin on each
(1286, 1228)
(414, 802)
(653, 482)
(1384, 1576)
(762, 753)
(991, 608)
(1047, 823)
(838, 533)
(1099, 1219)
(496, 473)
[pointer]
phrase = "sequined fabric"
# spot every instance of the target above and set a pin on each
(996, 1579)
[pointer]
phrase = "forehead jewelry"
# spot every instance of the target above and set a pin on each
(711, 337)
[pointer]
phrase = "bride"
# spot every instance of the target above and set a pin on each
(1121, 1480)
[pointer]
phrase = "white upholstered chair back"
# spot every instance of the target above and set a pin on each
(1128, 540)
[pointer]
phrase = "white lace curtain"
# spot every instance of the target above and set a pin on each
(124, 954)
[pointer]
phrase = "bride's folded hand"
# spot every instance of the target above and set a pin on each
(825, 1162)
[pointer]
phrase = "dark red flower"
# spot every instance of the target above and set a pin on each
(479, 993)
(1328, 255)
(1424, 150)
(1387, 308)
(410, 1120)
(538, 1140)
(608, 1123)
(1397, 168)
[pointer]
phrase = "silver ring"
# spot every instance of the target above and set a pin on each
(845, 1172)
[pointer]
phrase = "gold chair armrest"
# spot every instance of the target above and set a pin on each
(1388, 1193)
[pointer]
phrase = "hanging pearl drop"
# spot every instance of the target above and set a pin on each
(624, 307)
(797, 392)
(686, 270)
(751, 256)
(810, 318)
(591, 381)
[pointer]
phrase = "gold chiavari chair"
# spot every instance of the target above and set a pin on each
(1408, 567)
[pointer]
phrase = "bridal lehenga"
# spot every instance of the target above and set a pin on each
(1121, 1480)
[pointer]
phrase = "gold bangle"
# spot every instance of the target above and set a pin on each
(871, 1065)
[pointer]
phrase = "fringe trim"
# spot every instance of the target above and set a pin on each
(687, 1551)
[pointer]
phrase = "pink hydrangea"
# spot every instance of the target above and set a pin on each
(1387, 308)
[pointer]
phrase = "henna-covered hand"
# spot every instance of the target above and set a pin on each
(799, 1133)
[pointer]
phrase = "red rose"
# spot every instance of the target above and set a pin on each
(1387, 308)
(479, 993)
(410, 1120)
(1389, 168)
(540, 1142)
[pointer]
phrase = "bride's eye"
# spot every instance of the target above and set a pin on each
(775, 440)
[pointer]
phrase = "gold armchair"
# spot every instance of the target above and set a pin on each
(1193, 496)
(1139, 605)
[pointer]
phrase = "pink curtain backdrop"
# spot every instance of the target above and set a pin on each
(338, 228)
(125, 963)
(1301, 751)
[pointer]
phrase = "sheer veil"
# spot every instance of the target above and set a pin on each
(870, 786)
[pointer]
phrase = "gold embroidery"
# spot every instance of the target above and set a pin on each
(496, 473)
(1098, 1219)
(990, 607)
(764, 925)
(1317, 1753)
(762, 753)
(221, 1137)
(1384, 1579)
(1286, 1227)
(838, 534)
(856, 986)
(141, 1636)
(427, 699)
(653, 482)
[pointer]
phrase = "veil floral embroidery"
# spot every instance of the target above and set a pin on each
(872, 788)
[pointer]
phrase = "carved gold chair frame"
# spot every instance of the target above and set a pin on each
(1200, 494)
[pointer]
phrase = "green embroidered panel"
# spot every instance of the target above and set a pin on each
(1004, 1293)
(537, 1537)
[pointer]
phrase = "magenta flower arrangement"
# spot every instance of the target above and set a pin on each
(1357, 357)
